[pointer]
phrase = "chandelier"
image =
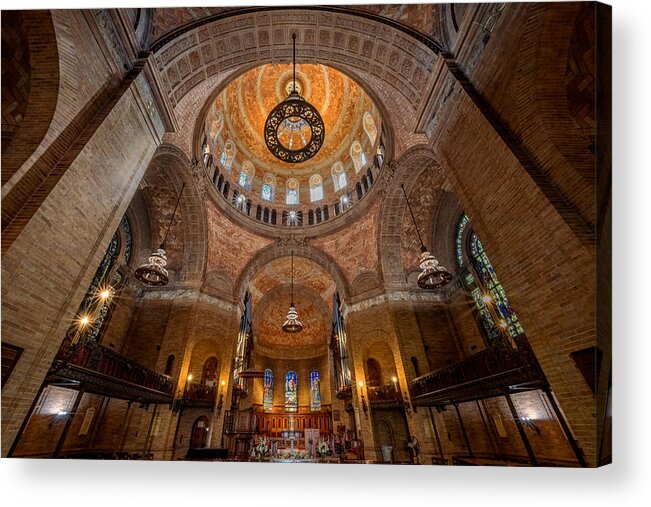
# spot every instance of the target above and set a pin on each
(153, 272)
(432, 275)
(294, 129)
(292, 324)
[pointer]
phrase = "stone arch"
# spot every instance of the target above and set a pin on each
(30, 84)
(380, 350)
(201, 351)
(393, 66)
(218, 283)
(342, 37)
(171, 164)
(365, 284)
(282, 249)
(394, 209)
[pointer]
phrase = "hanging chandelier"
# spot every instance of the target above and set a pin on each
(153, 272)
(292, 324)
(294, 129)
(432, 275)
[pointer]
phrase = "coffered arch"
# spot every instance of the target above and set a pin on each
(394, 209)
(283, 249)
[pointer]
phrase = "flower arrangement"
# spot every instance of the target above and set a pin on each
(322, 448)
(261, 447)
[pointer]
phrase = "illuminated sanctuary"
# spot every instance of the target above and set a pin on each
(336, 234)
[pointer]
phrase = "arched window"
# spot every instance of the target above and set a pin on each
(228, 155)
(292, 191)
(338, 176)
(268, 190)
(315, 391)
(215, 127)
(169, 365)
(358, 156)
(291, 392)
(370, 128)
(495, 313)
(209, 372)
(246, 175)
(268, 391)
(374, 372)
(316, 188)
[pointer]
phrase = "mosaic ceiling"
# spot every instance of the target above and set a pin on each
(235, 123)
(306, 273)
(270, 290)
(424, 18)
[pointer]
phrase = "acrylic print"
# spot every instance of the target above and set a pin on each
(319, 234)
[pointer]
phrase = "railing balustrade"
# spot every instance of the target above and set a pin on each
(499, 358)
(90, 355)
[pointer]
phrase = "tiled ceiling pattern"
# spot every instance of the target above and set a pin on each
(306, 273)
(421, 17)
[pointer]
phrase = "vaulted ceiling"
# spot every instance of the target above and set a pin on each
(424, 18)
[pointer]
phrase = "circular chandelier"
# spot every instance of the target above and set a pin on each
(432, 275)
(153, 272)
(292, 324)
(294, 129)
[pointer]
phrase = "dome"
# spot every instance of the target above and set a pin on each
(257, 183)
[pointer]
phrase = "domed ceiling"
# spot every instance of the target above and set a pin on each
(271, 295)
(234, 134)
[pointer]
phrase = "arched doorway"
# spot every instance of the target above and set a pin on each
(209, 372)
(385, 441)
(199, 433)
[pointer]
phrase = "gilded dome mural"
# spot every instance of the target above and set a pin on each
(234, 136)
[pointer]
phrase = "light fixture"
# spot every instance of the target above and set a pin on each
(432, 275)
(294, 130)
(292, 324)
(153, 272)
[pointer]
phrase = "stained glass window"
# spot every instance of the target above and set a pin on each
(316, 188)
(369, 127)
(488, 279)
(268, 391)
(338, 176)
(268, 189)
(246, 175)
(494, 311)
(315, 391)
(291, 392)
(292, 191)
(358, 156)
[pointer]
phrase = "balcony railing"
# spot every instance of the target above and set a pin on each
(384, 395)
(499, 366)
(199, 394)
(89, 355)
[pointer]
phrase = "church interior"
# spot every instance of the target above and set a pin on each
(334, 234)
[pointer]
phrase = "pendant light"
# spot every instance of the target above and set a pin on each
(432, 275)
(153, 272)
(292, 324)
(294, 129)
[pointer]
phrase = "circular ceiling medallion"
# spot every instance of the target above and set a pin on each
(294, 130)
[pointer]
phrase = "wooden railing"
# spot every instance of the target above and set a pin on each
(383, 394)
(200, 393)
(89, 355)
(500, 364)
